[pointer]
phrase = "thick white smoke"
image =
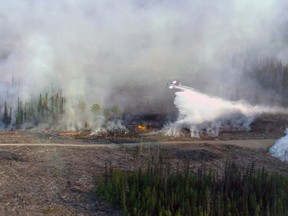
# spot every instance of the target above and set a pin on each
(199, 113)
(92, 48)
(83, 46)
(280, 148)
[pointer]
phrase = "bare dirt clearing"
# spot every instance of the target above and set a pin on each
(48, 173)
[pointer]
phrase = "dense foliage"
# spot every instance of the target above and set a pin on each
(156, 190)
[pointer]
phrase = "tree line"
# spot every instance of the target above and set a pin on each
(269, 73)
(50, 109)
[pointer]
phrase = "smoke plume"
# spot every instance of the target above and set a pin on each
(280, 148)
(114, 52)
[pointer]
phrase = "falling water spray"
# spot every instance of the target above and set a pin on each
(201, 113)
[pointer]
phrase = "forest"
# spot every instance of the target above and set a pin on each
(155, 189)
(52, 108)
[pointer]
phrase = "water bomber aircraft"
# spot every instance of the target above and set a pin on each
(173, 84)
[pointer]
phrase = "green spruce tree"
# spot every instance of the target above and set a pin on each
(5, 119)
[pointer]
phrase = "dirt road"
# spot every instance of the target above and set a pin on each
(249, 143)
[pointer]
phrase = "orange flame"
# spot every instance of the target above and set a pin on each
(141, 127)
(70, 133)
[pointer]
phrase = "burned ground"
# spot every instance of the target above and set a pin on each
(53, 173)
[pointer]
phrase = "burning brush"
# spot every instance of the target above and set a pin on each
(142, 127)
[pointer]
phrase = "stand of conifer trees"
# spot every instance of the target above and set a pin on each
(47, 109)
(155, 190)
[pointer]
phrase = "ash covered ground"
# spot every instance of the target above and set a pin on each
(55, 173)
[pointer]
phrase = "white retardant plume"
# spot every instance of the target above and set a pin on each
(280, 148)
(199, 113)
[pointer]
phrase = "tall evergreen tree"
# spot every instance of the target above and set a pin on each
(10, 116)
(19, 118)
(45, 103)
(5, 119)
(40, 104)
(62, 102)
